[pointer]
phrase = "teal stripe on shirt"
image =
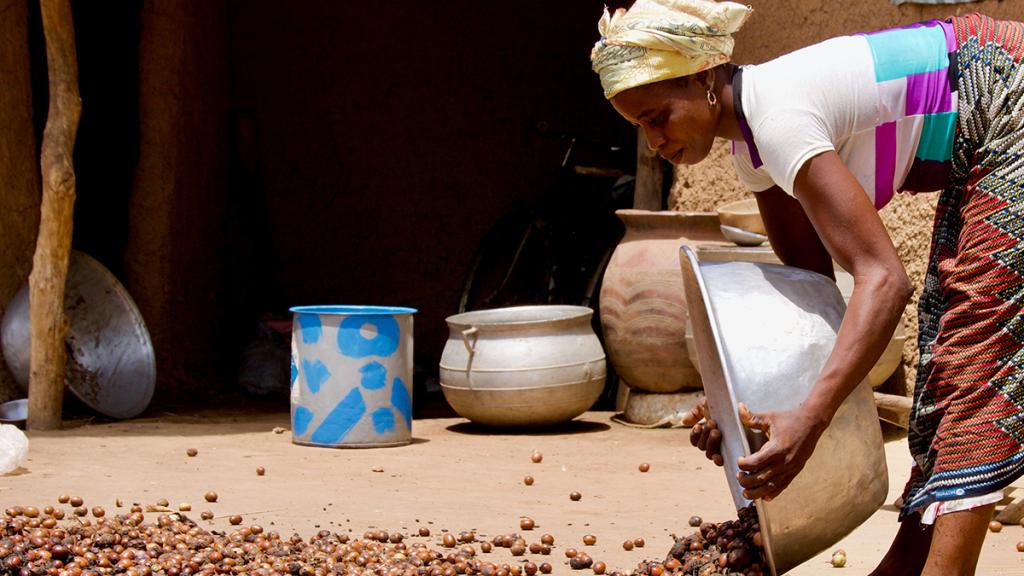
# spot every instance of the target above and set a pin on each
(906, 51)
(936, 142)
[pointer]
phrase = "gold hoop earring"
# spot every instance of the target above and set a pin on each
(712, 99)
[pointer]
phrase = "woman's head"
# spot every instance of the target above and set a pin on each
(679, 116)
(660, 56)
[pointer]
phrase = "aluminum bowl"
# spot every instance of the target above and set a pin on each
(111, 366)
(14, 412)
(763, 333)
(886, 364)
(742, 237)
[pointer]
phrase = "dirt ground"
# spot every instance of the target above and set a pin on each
(454, 476)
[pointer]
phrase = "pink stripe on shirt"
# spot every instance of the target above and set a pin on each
(885, 163)
(928, 93)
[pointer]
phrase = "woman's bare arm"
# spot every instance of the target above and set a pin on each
(849, 227)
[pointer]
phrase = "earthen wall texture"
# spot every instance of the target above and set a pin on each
(19, 171)
(383, 164)
(780, 26)
(175, 246)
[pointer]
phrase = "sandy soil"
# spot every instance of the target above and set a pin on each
(454, 476)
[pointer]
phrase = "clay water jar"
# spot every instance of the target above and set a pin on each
(643, 308)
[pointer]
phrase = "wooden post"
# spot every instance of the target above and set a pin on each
(894, 409)
(53, 246)
(649, 178)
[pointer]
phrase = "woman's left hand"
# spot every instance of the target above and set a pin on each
(792, 436)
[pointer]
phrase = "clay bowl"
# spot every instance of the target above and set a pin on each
(742, 214)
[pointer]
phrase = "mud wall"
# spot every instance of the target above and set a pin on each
(780, 26)
(391, 136)
(174, 256)
(19, 172)
(241, 157)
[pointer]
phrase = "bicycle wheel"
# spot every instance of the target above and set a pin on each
(511, 266)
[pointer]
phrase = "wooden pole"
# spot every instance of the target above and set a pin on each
(649, 177)
(53, 246)
(894, 409)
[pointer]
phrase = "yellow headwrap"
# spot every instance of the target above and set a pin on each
(661, 39)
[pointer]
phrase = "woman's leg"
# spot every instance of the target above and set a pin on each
(956, 542)
(908, 551)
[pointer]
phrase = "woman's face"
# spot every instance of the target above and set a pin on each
(675, 116)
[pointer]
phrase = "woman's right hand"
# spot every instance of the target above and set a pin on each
(705, 433)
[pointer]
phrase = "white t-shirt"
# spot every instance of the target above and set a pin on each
(885, 102)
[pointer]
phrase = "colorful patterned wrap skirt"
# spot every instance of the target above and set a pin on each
(967, 423)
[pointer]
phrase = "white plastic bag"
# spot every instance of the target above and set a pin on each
(13, 448)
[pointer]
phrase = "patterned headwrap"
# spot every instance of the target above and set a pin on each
(661, 39)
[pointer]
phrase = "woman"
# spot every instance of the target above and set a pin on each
(825, 136)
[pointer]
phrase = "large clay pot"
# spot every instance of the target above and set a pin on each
(643, 311)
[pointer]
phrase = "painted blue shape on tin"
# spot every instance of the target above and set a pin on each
(310, 327)
(401, 400)
(383, 420)
(295, 371)
(301, 419)
(316, 374)
(374, 375)
(354, 345)
(341, 420)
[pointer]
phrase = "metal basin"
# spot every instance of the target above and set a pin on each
(742, 237)
(763, 333)
(523, 366)
(110, 361)
(14, 412)
(887, 362)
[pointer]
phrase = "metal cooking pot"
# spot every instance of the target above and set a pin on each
(522, 366)
(763, 333)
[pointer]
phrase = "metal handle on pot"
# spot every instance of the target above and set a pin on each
(465, 338)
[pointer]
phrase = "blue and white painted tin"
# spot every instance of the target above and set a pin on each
(351, 376)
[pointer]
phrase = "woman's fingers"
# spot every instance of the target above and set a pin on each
(696, 414)
(695, 433)
(704, 432)
(702, 443)
(708, 428)
(755, 480)
(713, 446)
(763, 458)
(754, 421)
(758, 460)
(776, 487)
(769, 489)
